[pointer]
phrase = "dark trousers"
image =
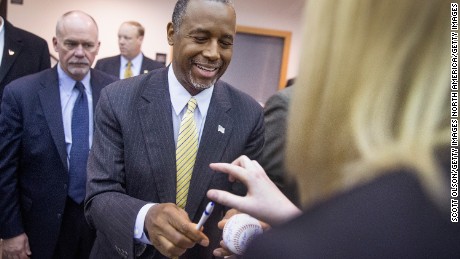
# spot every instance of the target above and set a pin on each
(75, 238)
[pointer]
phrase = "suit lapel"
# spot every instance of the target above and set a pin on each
(156, 121)
(144, 68)
(12, 48)
(142, 65)
(116, 67)
(51, 103)
(216, 134)
(96, 87)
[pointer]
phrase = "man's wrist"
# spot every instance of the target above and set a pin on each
(146, 233)
(140, 231)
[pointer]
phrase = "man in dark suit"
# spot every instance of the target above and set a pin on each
(132, 188)
(275, 116)
(23, 53)
(131, 61)
(41, 184)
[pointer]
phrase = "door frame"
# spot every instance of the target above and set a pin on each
(285, 35)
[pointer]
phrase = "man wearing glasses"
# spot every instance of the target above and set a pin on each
(46, 129)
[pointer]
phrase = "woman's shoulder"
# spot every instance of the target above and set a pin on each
(388, 217)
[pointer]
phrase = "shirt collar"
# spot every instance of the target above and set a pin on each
(2, 25)
(180, 96)
(66, 83)
(135, 62)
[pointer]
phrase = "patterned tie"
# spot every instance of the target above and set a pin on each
(187, 147)
(128, 71)
(80, 146)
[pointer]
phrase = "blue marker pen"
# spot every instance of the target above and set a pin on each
(206, 213)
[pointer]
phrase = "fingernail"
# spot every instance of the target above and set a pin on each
(213, 195)
(204, 242)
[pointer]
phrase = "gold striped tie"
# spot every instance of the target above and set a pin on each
(128, 71)
(187, 147)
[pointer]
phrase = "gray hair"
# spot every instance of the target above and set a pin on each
(181, 8)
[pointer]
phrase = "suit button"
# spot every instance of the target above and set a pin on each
(59, 215)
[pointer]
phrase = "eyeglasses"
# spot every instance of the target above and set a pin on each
(72, 45)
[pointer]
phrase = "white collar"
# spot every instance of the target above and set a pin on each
(180, 96)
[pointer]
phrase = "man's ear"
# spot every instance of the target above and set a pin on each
(170, 33)
(55, 44)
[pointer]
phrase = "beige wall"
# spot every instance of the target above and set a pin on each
(39, 17)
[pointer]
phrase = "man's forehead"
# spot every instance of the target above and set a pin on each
(204, 6)
(207, 13)
(77, 38)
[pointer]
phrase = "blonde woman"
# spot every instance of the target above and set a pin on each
(368, 138)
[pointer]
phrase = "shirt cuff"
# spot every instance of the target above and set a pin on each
(139, 234)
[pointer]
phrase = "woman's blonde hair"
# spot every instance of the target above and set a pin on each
(372, 94)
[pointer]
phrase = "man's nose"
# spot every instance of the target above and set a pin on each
(212, 50)
(79, 50)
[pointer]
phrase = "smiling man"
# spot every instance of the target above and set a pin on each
(148, 170)
(131, 61)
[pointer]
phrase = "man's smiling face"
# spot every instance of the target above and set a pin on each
(203, 46)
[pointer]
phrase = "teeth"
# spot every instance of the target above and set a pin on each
(207, 69)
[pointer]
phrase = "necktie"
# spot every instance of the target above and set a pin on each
(80, 146)
(128, 71)
(187, 147)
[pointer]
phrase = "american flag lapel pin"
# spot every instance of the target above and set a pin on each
(221, 129)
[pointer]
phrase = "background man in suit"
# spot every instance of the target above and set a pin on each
(21, 53)
(132, 165)
(275, 116)
(131, 61)
(42, 195)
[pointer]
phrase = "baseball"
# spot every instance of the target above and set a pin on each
(239, 230)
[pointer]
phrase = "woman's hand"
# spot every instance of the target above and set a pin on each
(263, 200)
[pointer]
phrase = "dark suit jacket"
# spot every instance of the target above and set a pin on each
(275, 115)
(33, 160)
(111, 65)
(390, 217)
(24, 53)
(132, 161)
